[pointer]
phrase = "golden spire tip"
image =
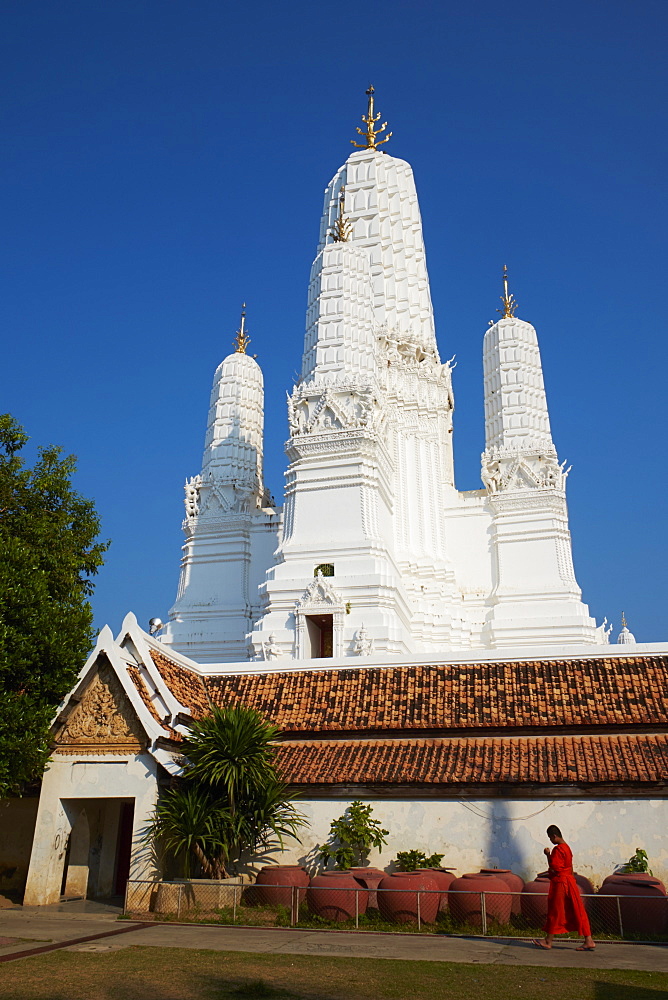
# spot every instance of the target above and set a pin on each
(371, 134)
(508, 300)
(242, 340)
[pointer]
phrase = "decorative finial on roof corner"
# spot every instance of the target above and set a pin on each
(509, 303)
(242, 340)
(372, 133)
(342, 229)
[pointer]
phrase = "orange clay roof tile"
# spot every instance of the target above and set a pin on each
(540, 694)
(580, 760)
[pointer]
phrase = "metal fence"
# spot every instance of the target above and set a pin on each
(510, 914)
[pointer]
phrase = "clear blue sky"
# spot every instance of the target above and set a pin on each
(166, 160)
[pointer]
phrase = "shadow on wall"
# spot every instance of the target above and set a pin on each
(509, 844)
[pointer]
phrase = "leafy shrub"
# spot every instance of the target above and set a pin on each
(638, 863)
(352, 836)
(408, 861)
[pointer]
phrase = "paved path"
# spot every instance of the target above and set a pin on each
(27, 930)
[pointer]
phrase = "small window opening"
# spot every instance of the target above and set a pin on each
(327, 569)
(320, 629)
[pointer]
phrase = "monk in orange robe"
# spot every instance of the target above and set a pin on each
(565, 909)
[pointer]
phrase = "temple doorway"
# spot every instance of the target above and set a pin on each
(320, 631)
(97, 859)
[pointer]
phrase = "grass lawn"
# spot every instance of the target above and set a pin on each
(182, 974)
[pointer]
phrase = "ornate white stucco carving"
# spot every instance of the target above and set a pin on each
(363, 643)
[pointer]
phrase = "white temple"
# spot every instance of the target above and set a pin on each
(462, 667)
(375, 550)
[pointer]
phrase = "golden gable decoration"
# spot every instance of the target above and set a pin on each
(103, 721)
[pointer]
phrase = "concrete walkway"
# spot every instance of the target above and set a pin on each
(22, 930)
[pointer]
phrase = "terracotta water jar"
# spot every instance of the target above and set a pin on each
(634, 876)
(273, 885)
(643, 905)
(533, 901)
(331, 895)
(465, 903)
(514, 882)
(444, 877)
(398, 897)
(587, 892)
(369, 878)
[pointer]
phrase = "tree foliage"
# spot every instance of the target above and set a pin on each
(352, 836)
(48, 555)
(232, 803)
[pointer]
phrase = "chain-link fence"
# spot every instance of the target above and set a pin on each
(509, 914)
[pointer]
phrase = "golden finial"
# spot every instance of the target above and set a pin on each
(509, 304)
(242, 340)
(624, 625)
(372, 133)
(342, 228)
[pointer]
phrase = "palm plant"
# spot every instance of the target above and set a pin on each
(232, 801)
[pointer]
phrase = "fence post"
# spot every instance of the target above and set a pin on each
(294, 907)
(357, 909)
(178, 905)
(234, 905)
(419, 920)
(619, 915)
(125, 901)
(483, 912)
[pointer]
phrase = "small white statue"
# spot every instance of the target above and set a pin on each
(270, 649)
(192, 496)
(364, 644)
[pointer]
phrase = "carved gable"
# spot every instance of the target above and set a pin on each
(103, 721)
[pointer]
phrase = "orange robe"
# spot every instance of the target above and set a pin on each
(565, 909)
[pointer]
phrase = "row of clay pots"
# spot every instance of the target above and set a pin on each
(402, 895)
(331, 895)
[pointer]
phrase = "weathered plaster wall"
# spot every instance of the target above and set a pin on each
(17, 826)
(71, 783)
(505, 833)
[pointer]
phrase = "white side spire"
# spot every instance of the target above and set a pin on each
(234, 437)
(535, 596)
(230, 532)
(518, 441)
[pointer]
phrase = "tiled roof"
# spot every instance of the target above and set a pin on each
(577, 760)
(529, 694)
(135, 676)
(186, 686)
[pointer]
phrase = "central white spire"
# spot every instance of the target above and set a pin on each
(382, 207)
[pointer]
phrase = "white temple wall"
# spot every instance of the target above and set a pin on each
(502, 833)
(68, 786)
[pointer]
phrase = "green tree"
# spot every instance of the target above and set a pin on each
(48, 554)
(232, 802)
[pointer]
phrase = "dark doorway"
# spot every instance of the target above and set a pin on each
(321, 635)
(124, 850)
